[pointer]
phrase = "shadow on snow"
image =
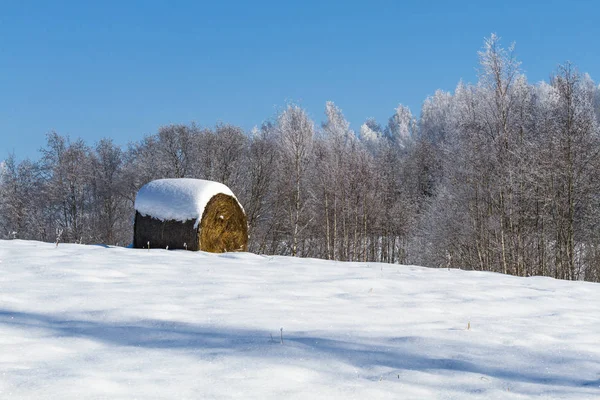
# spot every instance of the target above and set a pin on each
(396, 352)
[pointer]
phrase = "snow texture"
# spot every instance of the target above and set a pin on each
(98, 322)
(178, 199)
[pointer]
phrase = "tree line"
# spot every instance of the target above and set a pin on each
(501, 175)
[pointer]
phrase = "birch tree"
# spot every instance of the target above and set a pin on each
(296, 132)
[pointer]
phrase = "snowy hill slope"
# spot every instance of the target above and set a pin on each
(95, 322)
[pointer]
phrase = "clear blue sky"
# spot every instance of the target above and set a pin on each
(121, 69)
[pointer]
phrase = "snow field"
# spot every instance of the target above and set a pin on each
(95, 322)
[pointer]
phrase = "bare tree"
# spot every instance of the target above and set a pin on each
(111, 209)
(296, 132)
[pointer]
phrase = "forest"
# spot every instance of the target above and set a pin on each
(501, 175)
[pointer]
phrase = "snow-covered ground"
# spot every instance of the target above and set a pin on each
(95, 322)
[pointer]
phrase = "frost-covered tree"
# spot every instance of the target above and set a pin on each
(296, 133)
(67, 169)
(370, 133)
(19, 193)
(336, 126)
(174, 146)
(401, 127)
(257, 195)
(332, 180)
(228, 152)
(110, 208)
(575, 160)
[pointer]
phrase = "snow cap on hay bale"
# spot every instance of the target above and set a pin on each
(189, 213)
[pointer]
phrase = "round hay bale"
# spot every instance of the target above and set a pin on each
(223, 226)
(190, 214)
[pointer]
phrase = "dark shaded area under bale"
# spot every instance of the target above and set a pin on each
(223, 228)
